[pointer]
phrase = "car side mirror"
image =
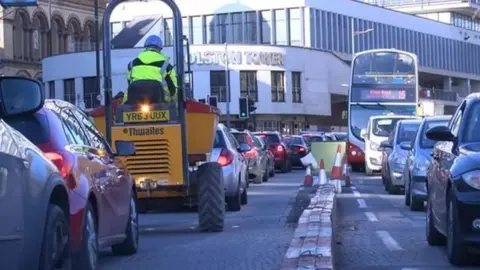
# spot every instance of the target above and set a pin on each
(244, 148)
(384, 146)
(264, 147)
(20, 96)
(440, 133)
(363, 133)
(407, 146)
(125, 148)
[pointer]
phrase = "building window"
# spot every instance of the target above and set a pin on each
(69, 90)
(223, 28)
(297, 87)
(210, 29)
(116, 28)
(295, 27)
(280, 27)
(248, 84)
(197, 30)
(266, 28)
(186, 29)
(237, 24)
(278, 86)
(168, 32)
(251, 27)
(217, 85)
(90, 92)
(51, 89)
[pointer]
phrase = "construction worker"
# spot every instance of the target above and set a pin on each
(150, 77)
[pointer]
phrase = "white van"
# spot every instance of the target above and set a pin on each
(379, 128)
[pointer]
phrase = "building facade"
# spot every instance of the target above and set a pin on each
(292, 56)
(53, 27)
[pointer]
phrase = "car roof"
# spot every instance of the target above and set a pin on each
(391, 117)
(411, 121)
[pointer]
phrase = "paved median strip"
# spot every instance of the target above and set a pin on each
(311, 246)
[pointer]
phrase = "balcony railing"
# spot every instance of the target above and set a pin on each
(392, 3)
(439, 95)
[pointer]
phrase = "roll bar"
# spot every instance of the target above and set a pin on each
(179, 56)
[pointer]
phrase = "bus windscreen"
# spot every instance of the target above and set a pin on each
(387, 68)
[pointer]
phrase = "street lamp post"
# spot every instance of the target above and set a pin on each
(227, 84)
(356, 33)
(97, 49)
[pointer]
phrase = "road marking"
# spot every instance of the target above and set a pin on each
(356, 194)
(409, 269)
(354, 188)
(362, 203)
(388, 241)
(371, 216)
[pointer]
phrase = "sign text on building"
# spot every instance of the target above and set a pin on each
(238, 58)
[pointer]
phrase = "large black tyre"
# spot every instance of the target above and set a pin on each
(56, 255)
(415, 203)
(130, 245)
(87, 257)
(211, 197)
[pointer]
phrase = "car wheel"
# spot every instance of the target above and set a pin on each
(415, 203)
(368, 172)
(457, 251)
(87, 258)
(434, 237)
(130, 245)
(234, 203)
(271, 173)
(55, 252)
(391, 188)
(244, 197)
(284, 167)
(407, 195)
(265, 175)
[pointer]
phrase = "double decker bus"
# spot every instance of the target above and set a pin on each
(383, 82)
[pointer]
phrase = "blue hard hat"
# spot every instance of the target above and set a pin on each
(153, 41)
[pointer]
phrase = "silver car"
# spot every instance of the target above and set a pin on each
(392, 171)
(418, 160)
(228, 153)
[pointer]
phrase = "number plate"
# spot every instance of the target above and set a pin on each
(153, 116)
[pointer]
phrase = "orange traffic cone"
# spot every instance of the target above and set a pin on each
(337, 165)
(323, 173)
(308, 181)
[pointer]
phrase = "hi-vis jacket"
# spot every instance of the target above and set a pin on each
(153, 65)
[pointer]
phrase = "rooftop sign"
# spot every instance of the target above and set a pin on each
(250, 58)
(18, 3)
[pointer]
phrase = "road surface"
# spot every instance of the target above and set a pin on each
(255, 238)
(376, 231)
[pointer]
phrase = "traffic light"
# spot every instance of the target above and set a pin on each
(243, 108)
(212, 101)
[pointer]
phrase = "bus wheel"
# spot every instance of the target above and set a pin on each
(211, 197)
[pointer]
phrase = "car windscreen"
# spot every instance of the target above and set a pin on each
(270, 138)
(315, 139)
(34, 127)
(425, 142)
(292, 140)
(407, 132)
(341, 136)
(243, 138)
(219, 140)
(383, 127)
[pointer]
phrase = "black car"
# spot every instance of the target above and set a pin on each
(453, 182)
(35, 211)
(299, 148)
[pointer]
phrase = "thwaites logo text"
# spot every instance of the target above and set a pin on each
(143, 131)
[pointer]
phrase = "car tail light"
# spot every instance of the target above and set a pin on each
(279, 148)
(251, 154)
(354, 150)
(225, 158)
(64, 167)
(301, 149)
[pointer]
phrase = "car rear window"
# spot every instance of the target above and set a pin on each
(292, 140)
(425, 142)
(270, 138)
(315, 139)
(33, 127)
(407, 132)
(219, 140)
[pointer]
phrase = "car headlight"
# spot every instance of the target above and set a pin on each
(374, 146)
(399, 160)
(421, 164)
(472, 179)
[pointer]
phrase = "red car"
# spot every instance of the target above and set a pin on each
(101, 191)
(282, 154)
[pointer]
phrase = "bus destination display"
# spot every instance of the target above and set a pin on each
(383, 95)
